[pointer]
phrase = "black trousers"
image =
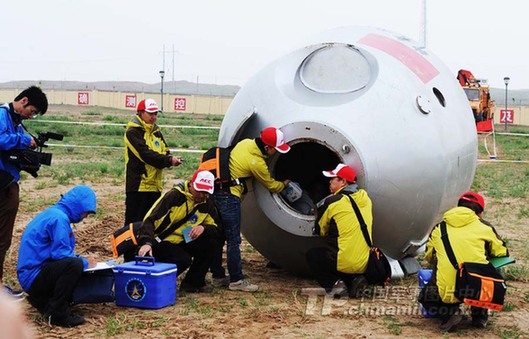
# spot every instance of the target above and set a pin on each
(196, 255)
(216, 269)
(9, 201)
(431, 300)
(52, 289)
(137, 204)
(323, 264)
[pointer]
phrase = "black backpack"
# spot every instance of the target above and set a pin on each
(217, 161)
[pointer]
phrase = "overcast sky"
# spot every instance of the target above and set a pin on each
(227, 41)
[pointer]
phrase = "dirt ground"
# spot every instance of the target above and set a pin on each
(286, 306)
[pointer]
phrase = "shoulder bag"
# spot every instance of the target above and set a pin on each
(479, 285)
(378, 270)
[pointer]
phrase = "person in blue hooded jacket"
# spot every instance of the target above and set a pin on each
(48, 268)
(30, 103)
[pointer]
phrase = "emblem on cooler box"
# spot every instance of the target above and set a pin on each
(135, 289)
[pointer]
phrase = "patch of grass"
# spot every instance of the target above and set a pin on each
(136, 324)
(224, 308)
(91, 113)
(249, 249)
(113, 327)
(242, 301)
(496, 180)
(262, 298)
(392, 325)
(102, 135)
(160, 321)
(524, 212)
(526, 296)
(508, 307)
(509, 333)
(40, 185)
(516, 273)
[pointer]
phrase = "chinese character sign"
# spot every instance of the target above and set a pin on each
(130, 101)
(180, 104)
(83, 98)
(507, 116)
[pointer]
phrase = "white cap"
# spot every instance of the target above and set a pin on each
(203, 181)
(148, 105)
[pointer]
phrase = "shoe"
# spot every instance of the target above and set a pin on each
(451, 322)
(220, 282)
(338, 290)
(71, 320)
(187, 288)
(359, 287)
(479, 322)
(243, 285)
(16, 295)
(273, 265)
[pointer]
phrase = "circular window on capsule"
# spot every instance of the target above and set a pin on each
(335, 68)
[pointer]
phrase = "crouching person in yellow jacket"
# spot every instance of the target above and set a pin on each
(189, 208)
(472, 240)
(339, 267)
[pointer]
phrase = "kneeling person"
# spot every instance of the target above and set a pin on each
(185, 205)
(48, 269)
(339, 267)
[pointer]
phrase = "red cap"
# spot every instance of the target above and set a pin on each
(473, 197)
(273, 137)
(148, 105)
(203, 181)
(342, 171)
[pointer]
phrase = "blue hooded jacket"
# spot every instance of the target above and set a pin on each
(12, 137)
(49, 236)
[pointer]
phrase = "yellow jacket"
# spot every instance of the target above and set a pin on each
(471, 240)
(337, 220)
(146, 154)
(172, 207)
(247, 160)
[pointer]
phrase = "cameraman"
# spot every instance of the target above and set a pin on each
(27, 105)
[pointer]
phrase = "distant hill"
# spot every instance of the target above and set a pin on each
(516, 97)
(169, 87)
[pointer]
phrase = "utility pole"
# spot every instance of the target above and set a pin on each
(174, 84)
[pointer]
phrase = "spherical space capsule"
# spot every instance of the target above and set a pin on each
(374, 100)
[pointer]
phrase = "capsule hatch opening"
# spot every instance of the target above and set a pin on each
(304, 164)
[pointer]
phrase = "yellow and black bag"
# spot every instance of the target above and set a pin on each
(125, 239)
(479, 285)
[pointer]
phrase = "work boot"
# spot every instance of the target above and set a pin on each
(70, 320)
(243, 285)
(338, 290)
(220, 282)
(188, 288)
(359, 287)
(480, 317)
(451, 322)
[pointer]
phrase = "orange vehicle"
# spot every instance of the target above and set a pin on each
(478, 94)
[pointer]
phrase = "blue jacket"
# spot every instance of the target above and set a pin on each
(49, 236)
(12, 137)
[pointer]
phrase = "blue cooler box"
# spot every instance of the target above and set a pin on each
(145, 284)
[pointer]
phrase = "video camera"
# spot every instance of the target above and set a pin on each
(30, 160)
